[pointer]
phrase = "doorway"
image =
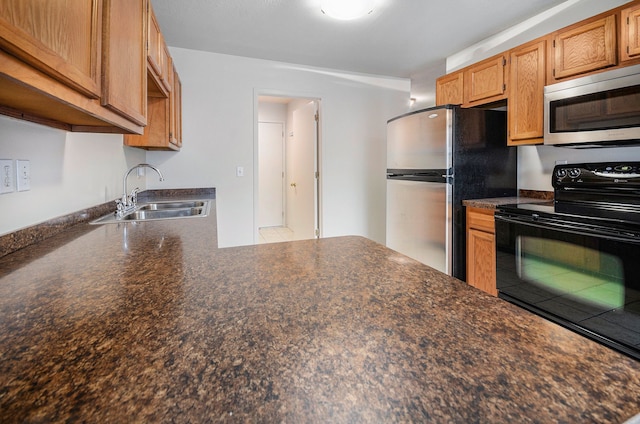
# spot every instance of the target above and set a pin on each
(288, 181)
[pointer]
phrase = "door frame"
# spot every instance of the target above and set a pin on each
(257, 93)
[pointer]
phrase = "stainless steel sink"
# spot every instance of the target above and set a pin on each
(154, 211)
(172, 205)
(145, 215)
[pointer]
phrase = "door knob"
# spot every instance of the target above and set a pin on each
(293, 185)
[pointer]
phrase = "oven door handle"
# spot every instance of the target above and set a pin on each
(546, 224)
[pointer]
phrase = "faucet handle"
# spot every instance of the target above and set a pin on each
(134, 196)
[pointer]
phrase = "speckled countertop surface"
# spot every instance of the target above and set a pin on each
(494, 202)
(152, 322)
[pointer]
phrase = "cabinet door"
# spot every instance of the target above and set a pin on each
(175, 127)
(449, 89)
(526, 94)
(157, 56)
(484, 82)
(630, 40)
(57, 37)
(481, 259)
(481, 250)
(124, 63)
(585, 48)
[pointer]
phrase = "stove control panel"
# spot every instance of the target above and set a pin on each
(602, 174)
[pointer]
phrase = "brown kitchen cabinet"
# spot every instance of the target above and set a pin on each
(64, 64)
(164, 127)
(481, 249)
(525, 107)
(159, 84)
(587, 46)
(124, 64)
(484, 82)
(449, 89)
(58, 38)
(630, 33)
(175, 127)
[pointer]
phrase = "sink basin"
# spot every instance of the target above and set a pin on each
(154, 211)
(172, 205)
(145, 215)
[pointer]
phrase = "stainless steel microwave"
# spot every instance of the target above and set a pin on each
(596, 110)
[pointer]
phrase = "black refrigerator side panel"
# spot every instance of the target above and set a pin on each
(483, 167)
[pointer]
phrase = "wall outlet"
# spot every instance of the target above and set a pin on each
(240, 171)
(7, 176)
(23, 173)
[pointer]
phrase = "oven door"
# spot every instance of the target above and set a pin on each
(585, 277)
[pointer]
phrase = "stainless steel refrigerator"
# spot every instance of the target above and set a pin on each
(436, 158)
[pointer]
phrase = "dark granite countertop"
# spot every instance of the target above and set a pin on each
(151, 322)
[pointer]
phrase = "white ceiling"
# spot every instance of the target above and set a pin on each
(399, 38)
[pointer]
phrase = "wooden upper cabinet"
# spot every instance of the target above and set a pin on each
(75, 65)
(585, 47)
(164, 129)
(630, 33)
(57, 37)
(124, 65)
(157, 60)
(525, 107)
(175, 127)
(449, 89)
(484, 82)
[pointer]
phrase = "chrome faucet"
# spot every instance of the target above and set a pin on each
(128, 203)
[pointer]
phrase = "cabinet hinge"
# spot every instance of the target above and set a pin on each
(317, 233)
(504, 62)
(627, 49)
(554, 44)
(316, 117)
(627, 20)
(504, 87)
(554, 72)
(317, 174)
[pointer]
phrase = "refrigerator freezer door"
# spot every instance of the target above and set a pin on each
(420, 140)
(419, 221)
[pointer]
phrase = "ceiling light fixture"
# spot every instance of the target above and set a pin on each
(347, 9)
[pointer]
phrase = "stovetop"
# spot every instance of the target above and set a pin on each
(603, 192)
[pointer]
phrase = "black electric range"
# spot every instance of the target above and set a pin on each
(576, 260)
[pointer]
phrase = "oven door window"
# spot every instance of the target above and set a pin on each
(606, 110)
(584, 280)
(573, 273)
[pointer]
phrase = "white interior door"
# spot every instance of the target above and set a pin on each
(301, 187)
(270, 174)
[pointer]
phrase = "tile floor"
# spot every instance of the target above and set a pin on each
(275, 234)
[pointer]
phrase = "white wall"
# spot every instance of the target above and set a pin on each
(219, 133)
(69, 171)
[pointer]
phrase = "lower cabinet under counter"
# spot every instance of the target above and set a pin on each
(481, 249)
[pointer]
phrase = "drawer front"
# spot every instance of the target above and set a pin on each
(481, 219)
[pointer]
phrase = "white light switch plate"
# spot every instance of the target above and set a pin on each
(23, 173)
(7, 176)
